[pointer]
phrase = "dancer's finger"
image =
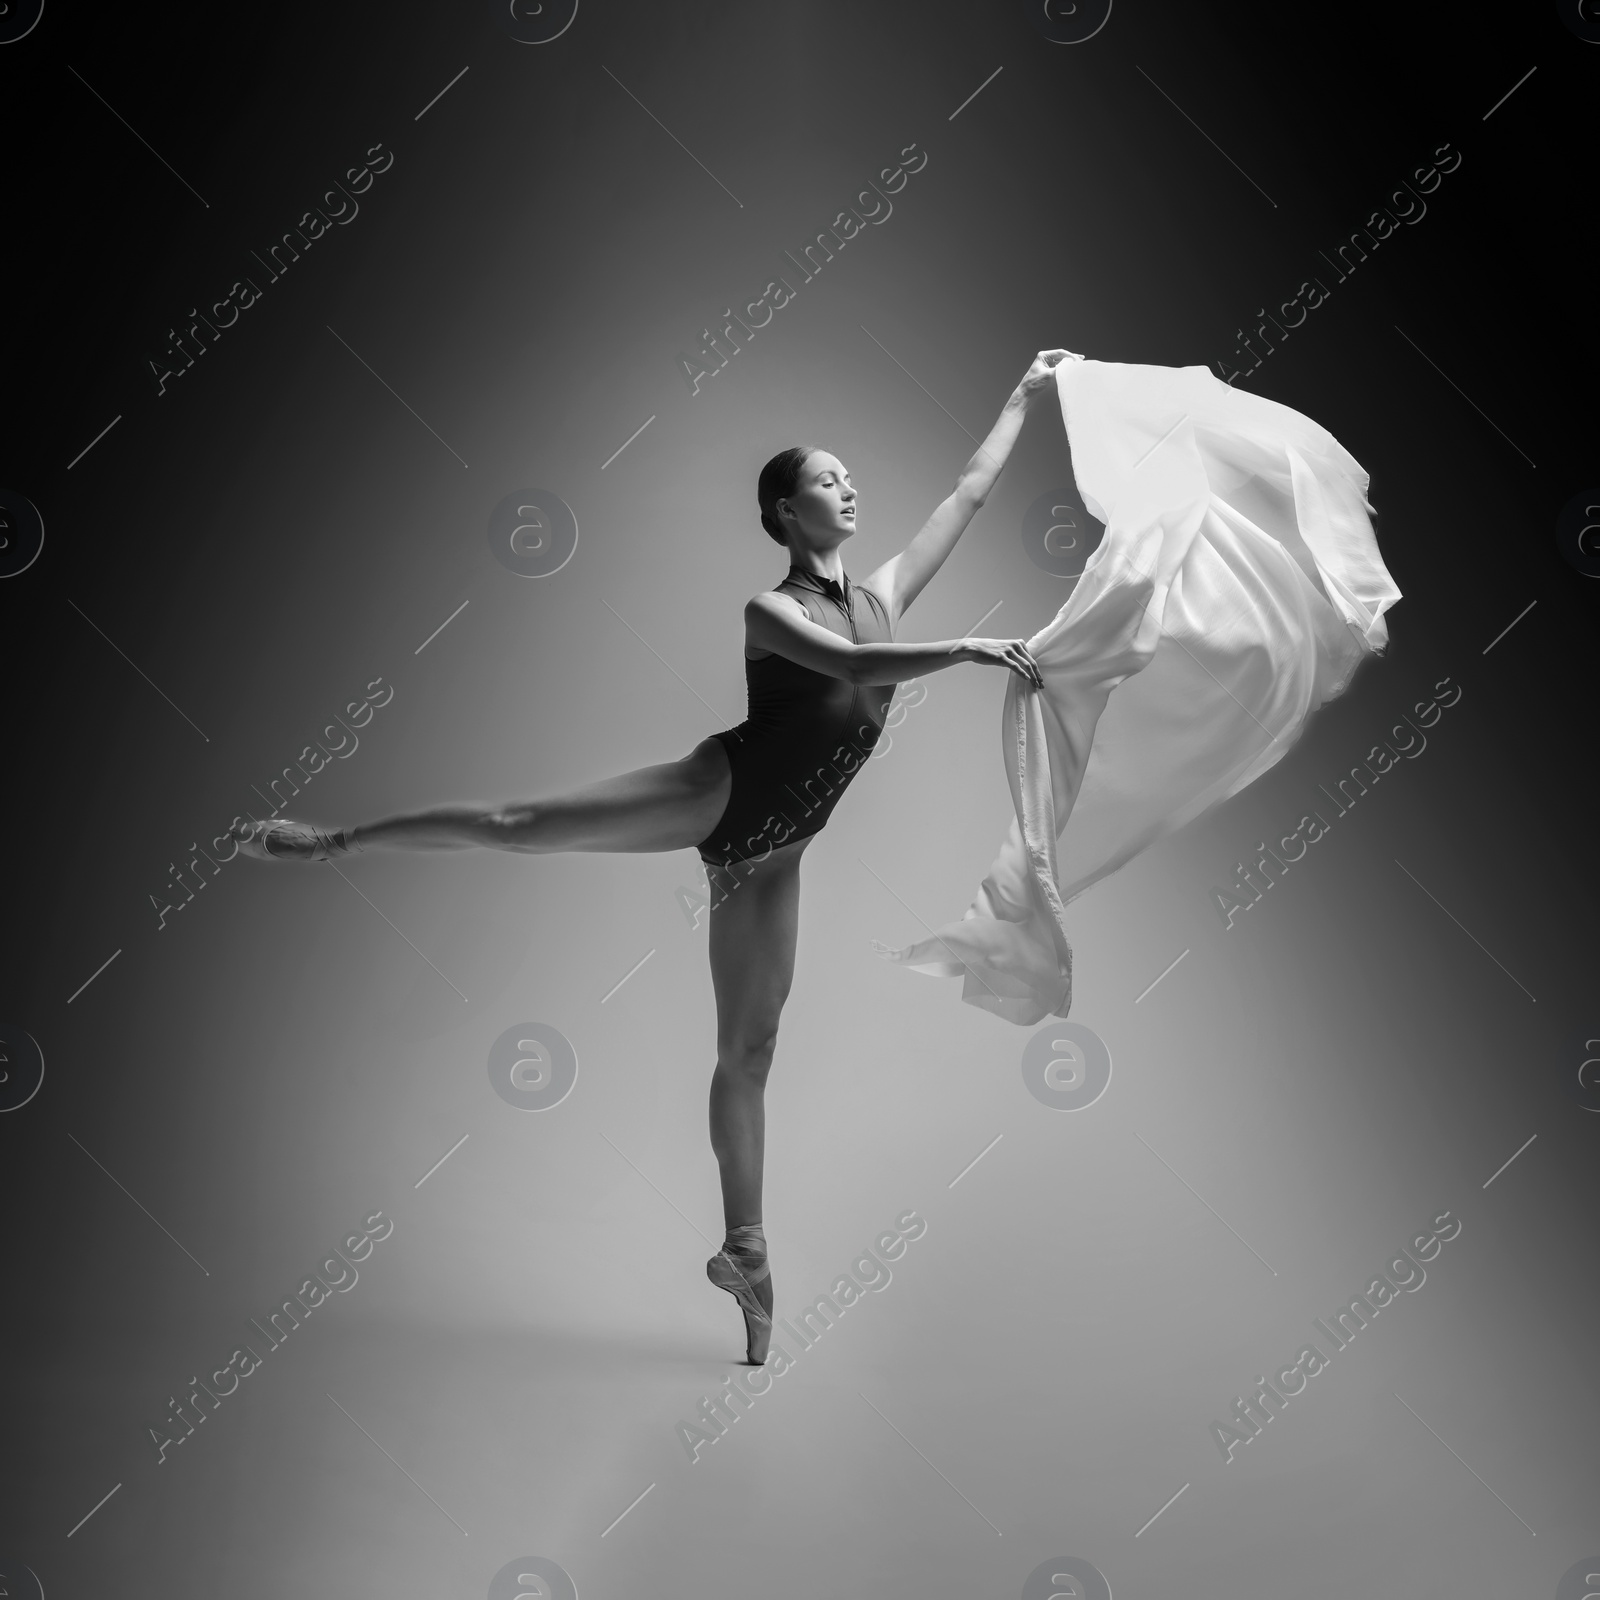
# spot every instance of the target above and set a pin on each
(1025, 665)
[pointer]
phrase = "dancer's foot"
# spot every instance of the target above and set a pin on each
(284, 840)
(740, 1267)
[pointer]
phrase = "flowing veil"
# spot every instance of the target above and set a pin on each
(1237, 588)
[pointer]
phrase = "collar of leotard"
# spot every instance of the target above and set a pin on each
(826, 586)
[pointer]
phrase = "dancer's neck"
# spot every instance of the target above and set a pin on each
(822, 564)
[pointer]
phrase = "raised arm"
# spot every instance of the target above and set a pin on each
(903, 577)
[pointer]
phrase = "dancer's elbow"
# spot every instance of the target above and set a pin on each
(869, 664)
(873, 665)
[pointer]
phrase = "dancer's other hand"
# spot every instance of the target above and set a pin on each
(1013, 653)
(1040, 377)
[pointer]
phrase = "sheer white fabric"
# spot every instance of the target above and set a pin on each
(1237, 588)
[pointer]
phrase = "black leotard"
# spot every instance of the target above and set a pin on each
(806, 734)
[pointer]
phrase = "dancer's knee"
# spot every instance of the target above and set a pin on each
(747, 1058)
(510, 827)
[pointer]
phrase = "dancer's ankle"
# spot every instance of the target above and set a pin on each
(745, 1238)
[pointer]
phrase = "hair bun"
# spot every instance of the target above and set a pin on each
(780, 477)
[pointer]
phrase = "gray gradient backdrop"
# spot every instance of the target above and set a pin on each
(1027, 1395)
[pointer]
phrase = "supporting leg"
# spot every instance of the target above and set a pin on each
(753, 935)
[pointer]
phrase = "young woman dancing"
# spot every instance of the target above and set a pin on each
(820, 665)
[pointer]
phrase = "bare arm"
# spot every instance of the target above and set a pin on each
(904, 576)
(775, 622)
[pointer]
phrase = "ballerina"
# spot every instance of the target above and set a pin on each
(821, 663)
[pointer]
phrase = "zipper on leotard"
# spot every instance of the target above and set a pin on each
(849, 609)
(850, 617)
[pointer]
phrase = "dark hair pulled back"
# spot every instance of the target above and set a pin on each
(779, 479)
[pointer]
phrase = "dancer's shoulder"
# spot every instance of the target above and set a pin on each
(768, 598)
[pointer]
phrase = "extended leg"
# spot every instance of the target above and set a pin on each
(665, 807)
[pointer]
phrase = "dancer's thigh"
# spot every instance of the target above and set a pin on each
(755, 922)
(670, 806)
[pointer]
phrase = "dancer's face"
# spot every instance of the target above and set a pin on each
(824, 501)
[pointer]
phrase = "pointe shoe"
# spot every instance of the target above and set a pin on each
(284, 840)
(739, 1271)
